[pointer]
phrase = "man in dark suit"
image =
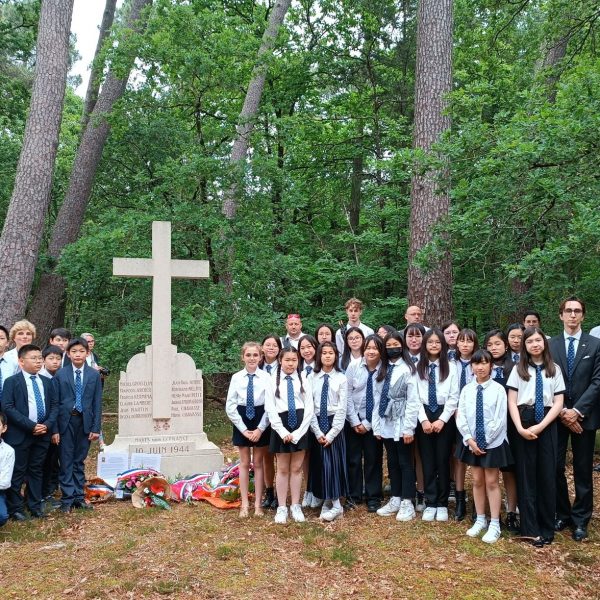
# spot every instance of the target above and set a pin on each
(31, 405)
(79, 416)
(578, 355)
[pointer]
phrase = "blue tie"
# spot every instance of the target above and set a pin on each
(308, 369)
(370, 399)
(39, 403)
(516, 357)
(570, 357)
(385, 398)
(498, 373)
(463, 374)
(268, 368)
(292, 417)
(250, 412)
(451, 354)
(479, 425)
(539, 394)
(323, 421)
(78, 391)
(433, 405)
(415, 359)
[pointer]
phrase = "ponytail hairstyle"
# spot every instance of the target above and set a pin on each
(284, 351)
(423, 364)
(318, 364)
(347, 355)
(525, 358)
(271, 336)
(396, 335)
(382, 354)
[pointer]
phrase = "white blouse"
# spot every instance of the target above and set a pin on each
(336, 402)
(236, 396)
(526, 389)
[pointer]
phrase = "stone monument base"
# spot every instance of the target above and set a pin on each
(181, 454)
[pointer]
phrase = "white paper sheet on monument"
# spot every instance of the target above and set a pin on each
(140, 460)
(112, 464)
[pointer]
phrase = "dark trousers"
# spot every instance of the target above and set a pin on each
(401, 468)
(29, 463)
(582, 445)
(364, 454)
(535, 469)
(436, 449)
(74, 446)
(3, 509)
(51, 469)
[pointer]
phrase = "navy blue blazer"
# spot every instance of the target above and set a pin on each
(91, 399)
(15, 403)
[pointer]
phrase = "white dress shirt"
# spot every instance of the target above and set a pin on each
(446, 392)
(339, 338)
(495, 412)
(275, 405)
(526, 389)
(336, 402)
(577, 337)
(7, 463)
(33, 412)
(357, 375)
(8, 367)
(236, 396)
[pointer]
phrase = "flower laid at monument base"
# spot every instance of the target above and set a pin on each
(149, 488)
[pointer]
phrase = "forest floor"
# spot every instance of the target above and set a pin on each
(198, 551)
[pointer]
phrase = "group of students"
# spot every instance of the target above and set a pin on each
(50, 412)
(325, 407)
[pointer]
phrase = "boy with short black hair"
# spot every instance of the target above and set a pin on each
(60, 337)
(30, 404)
(7, 463)
(79, 416)
(52, 356)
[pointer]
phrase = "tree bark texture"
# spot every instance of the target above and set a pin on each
(24, 224)
(431, 289)
(251, 104)
(50, 292)
(91, 94)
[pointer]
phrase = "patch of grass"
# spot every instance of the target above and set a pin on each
(344, 554)
(581, 557)
(170, 586)
(227, 551)
(216, 424)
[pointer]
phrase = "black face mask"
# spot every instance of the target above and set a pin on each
(394, 353)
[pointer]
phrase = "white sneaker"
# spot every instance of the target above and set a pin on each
(327, 505)
(389, 509)
(441, 514)
(281, 515)
(332, 514)
(477, 528)
(306, 501)
(493, 535)
(429, 513)
(406, 512)
(297, 513)
(315, 502)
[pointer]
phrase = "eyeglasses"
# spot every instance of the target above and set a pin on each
(573, 311)
(356, 338)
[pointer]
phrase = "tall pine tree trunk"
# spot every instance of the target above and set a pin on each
(432, 288)
(49, 296)
(246, 125)
(24, 224)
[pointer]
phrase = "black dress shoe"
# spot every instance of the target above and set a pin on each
(269, 497)
(561, 524)
(580, 534)
(547, 540)
(65, 508)
(373, 506)
(597, 468)
(83, 506)
(512, 523)
(38, 514)
(19, 516)
(537, 542)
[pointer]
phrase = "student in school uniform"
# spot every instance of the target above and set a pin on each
(245, 407)
(271, 347)
(61, 337)
(8, 366)
(435, 387)
(324, 333)
(293, 327)
(481, 420)
(290, 413)
(451, 329)
(394, 422)
(467, 344)
(328, 470)
(79, 422)
(52, 356)
(30, 404)
(21, 333)
(514, 335)
(413, 338)
(353, 348)
(496, 343)
(363, 450)
(384, 330)
(307, 348)
(7, 464)
(535, 398)
(354, 309)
